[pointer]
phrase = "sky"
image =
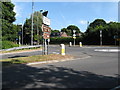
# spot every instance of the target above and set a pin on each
(63, 14)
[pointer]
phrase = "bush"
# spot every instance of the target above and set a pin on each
(7, 44)
(64, 40)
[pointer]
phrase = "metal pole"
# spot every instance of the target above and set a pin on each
(37, 30)
(74, 41)
(74, 36)
(22, 34)
(101, 37)
(19, 41)
(32, 24)
(45, 47)
(115, 42)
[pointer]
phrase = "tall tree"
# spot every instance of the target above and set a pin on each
(37, 24)
(109, 30)
(8, 17)
(94, 24)
(73, 27)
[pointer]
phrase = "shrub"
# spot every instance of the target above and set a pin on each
(64, 40)
(7, 44)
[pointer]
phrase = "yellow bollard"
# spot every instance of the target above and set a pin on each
(62, 49)
(80, 44)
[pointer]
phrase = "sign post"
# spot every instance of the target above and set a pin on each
(46, 31)
(74, 36)
(101, 37)
(46, 37)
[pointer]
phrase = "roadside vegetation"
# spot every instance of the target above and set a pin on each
(8, 44)
(36, 58)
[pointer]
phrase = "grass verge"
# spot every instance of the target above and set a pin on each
(36, 58)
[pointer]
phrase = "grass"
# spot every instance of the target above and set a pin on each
(36, 58)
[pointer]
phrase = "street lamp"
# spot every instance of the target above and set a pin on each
(101, 37)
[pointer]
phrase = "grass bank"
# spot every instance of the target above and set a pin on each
(36, 58)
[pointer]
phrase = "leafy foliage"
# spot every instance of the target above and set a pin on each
(8, 44)
(9, 30)
(37, 24)
(109, 30)
(69, 30)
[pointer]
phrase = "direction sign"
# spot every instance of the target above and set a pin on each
(46, 35)
(118, 39)
(46, 20)
(46, 28)
(74, 35)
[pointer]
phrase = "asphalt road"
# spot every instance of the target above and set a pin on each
(89, 69)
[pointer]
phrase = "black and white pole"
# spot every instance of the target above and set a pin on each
(45, 47)
(74, 36)
(101, 37)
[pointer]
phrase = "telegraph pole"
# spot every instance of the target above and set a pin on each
(37, 30)
(32, 24)
(22, 34)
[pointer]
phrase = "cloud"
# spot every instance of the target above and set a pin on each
(83, 22)
(17, 10)
(109, 21)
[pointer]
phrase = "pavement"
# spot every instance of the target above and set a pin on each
(97, 70)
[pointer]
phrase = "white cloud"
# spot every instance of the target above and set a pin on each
(109, 21)
(83, 22)
(17, 10)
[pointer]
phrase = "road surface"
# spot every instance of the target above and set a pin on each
(89, 69)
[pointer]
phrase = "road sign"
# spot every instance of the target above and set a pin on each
(118, 39)
(46, 35)
(46, 20)
(46, 28)
(74, 35)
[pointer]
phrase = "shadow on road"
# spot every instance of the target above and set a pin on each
(17, 56)
(23, 76)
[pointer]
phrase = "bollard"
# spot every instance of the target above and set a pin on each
(80, 44)
(70, 44)
(62, 49)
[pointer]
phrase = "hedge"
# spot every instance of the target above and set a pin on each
(7, 44)
(64, 40)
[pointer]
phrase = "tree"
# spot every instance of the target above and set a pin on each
(94, 24)
(68, 32)
(8, 17)
(70, 29)
(109, 30)
(55, 33)
(37, 31)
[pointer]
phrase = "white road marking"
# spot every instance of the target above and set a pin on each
(55, 53)
(107, 50)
